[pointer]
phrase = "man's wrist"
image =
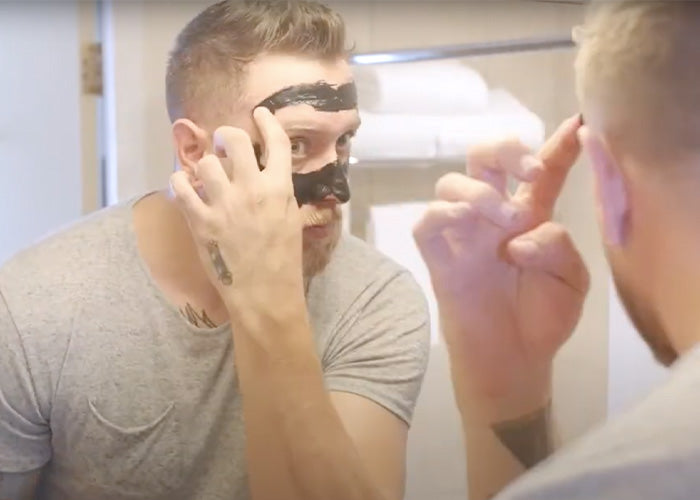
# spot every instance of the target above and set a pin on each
(531, 393)
(272, 299)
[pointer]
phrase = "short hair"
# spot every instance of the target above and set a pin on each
(638, 65)
(211, 53)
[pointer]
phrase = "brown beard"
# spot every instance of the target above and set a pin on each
(317, 253)
(647, 323)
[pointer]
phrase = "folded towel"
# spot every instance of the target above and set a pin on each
(458, 134)
(395, 137)
(432, 87)
(417, 137)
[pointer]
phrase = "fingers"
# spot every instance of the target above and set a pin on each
(493, 163)
(279, 156)
(558, 155)
(483, 197)
(212, 175)
(549, 249)
(428, 233)
(237, 146)
(185, 195)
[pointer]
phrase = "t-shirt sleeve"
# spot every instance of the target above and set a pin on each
(25, 437)
(382, 353)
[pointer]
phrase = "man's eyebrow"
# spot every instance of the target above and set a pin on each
(313, 127)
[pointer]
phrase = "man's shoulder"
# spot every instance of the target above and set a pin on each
(359, 276)
(356, 258)
(649, 449)
(68, 257)
(359, 268)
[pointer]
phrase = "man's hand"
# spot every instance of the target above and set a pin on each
(509, 283)
(248, 227)
(510, 288)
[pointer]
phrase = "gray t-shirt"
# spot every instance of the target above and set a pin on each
(652, 452)
(104, 382)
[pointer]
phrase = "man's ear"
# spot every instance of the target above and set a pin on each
(191, 144)
(612, 199)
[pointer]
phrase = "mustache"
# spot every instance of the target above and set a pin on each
(313, 216)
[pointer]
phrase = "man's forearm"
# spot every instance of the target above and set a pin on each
(297, 447)
(499, 452)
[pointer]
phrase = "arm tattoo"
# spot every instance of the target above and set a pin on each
(196, 318)
(528, 437)
(221, 270)
(19, 486)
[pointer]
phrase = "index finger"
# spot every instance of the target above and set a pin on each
(494, 162)
(558, 155)
(279, 155)
(235, 144)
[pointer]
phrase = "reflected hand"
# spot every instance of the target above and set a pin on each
(509, 282)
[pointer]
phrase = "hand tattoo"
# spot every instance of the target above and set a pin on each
(527, 437)
(218, 261)
(197, 319)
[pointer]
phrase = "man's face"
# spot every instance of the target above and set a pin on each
(320, 135)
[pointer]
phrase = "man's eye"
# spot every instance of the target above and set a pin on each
(345, 140)
(298, 147)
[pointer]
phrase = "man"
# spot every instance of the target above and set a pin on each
(226, 342)
(510, 284)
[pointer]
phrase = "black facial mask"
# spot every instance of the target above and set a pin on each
(333, 178)
(316, 186)
(321, 96)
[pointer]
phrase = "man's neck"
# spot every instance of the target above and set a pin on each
(678, 297)
(166, 246)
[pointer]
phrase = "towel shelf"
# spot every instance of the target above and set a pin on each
(464, 50)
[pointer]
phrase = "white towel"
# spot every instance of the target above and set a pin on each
(395, 137)
(458, 134)
(417, 137)
(433, 87)
(502, 101)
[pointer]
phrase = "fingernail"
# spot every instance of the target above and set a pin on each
(575, 121)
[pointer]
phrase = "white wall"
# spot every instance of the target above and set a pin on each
(41, 121)
(138, 36)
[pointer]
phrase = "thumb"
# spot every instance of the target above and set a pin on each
(549, 249)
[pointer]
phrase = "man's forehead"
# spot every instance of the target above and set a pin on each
(271, 74)
(320, 95)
